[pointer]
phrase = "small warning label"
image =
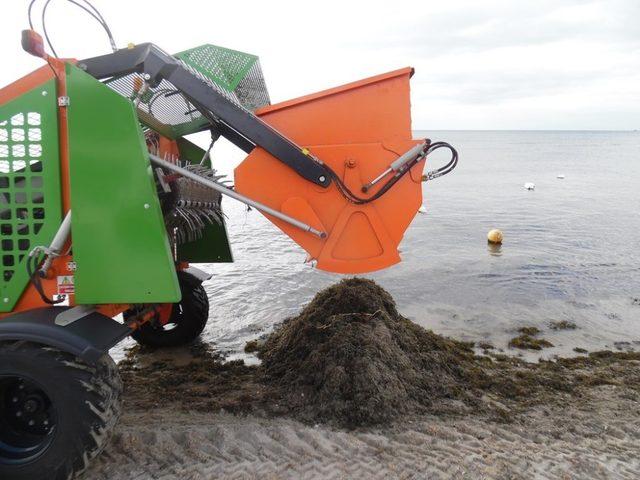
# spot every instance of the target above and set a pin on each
(65, 285)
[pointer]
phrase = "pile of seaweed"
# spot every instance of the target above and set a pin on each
(349, 358)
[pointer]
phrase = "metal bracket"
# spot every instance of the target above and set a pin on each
(67, 317)
(161, 180)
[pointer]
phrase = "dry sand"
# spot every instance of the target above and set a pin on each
(594, 436)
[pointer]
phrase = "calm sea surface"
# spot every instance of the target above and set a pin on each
(571, 249)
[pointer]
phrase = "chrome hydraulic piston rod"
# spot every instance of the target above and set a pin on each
(235, 195)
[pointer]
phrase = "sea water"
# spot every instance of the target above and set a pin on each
(571, 248)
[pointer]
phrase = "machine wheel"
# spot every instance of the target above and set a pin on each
(56, 412)
(187, 321)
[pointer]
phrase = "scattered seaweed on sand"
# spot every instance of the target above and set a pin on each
(251, 346)
(193, 377)
(531, 331)
(527, 340)
(485, 346)
(580, 350)
(349, 359)
(562, 325)
(626, 346)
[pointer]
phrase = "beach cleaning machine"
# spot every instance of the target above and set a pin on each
(105, 204)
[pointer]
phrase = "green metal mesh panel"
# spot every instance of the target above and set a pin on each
(236, 75)
(30, 202)
(235, 71)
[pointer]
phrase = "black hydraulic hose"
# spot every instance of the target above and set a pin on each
(453, 162)
(89, 8)
(99, 18)
(44, 28)
(429, 148)
(29, 14)
(34, 277)
(349, 195)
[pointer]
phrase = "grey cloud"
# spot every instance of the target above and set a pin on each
(513, 24)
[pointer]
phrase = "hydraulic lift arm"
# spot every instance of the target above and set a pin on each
(233, 121)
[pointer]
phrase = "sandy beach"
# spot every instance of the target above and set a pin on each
(593, 435)
(371, 395)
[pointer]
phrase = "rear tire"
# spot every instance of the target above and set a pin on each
(187, 321)
(57, 413)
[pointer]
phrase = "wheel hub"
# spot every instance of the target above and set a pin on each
(27, 420)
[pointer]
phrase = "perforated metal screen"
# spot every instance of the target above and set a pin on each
(30, 203)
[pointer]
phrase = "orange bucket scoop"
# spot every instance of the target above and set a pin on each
(358, 130)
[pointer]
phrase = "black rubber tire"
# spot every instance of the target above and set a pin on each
(188, 317)
(86, 400)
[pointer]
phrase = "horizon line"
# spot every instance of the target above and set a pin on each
(521, 130)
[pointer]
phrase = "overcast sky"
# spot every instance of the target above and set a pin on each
(544, 64)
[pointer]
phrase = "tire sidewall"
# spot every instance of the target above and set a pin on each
(73, 416)
(190, 316)
(191, 309)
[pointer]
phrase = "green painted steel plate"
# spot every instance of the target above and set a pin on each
(120, 244)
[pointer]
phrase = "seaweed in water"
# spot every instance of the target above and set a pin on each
(527, 341)
(562, 325)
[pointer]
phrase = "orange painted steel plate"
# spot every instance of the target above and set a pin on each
(358, 130)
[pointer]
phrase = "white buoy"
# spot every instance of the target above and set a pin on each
(530, 186)
(422, 209)
(560, 176)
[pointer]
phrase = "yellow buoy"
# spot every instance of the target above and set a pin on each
(494, 236)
